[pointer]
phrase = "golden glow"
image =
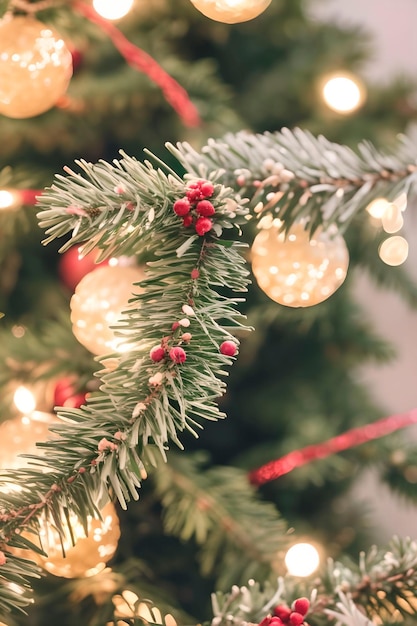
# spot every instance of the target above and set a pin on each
(343, 93)
(297, 271)
(394, 250)
(24, 400)
(392, 219)
(8, 199)
(377, 207)
(113, 9)
(90, 553)
(35, 68)
(302, 559)
(97, 305)
(231, 11)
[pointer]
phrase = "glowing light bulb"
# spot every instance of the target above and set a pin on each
(302, 559)
(231, 11)
(8, 199)
(343, 93)
(377, 207)
(394, 250)
(24, 400)
(112, 10)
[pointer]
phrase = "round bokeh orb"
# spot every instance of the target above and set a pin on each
(90, 553)
(97, 305)
(297, 271)
(231, 11)
(35, 68)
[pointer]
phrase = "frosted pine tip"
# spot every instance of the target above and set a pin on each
(228, 348)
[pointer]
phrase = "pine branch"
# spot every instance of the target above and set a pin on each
(145, 403)
(239, 535)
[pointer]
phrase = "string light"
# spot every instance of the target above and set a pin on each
(302, 559)
(377, 207)
(394, 250)
(111, 10)
(8, 199)
(343, 93)
(24, 400)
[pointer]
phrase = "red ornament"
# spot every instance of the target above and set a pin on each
(72, 268)
(177, 355)
(182, 207)
(203, 225)
(65, 394)
(205, 208)
(157, 354)
(229, 348)
(301, 605)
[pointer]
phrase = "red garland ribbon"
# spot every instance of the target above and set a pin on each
(140, 60)
(349, 439)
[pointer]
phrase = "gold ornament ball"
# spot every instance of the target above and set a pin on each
(35, 68)
(297, 271)
(90, 553)
(19, 436)
(231, 11)
(97, 304)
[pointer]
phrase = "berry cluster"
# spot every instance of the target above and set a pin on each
(195, 209)
(286, 616)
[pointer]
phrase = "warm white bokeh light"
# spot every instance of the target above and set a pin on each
(302, 559)
(112, 9)
(35, 68)
(392, 219)
(8, 199)
(394, 250)
(297, 270)
(377, 207)
(24, 400)
(231, 11)
(343, 93)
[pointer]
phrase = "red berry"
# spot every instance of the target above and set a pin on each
(207, 189)
(296, 619)
(157, 353)
(193, 195)
(283, 612)
(229, 349)
(177, 355)
(195, 274)
(187, 220)
(205, 208)
(276, 621)
(265, 622)
(301, 605)
(203, 225)
(182, 206)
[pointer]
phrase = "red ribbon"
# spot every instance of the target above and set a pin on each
(140, 60)
(349, 439)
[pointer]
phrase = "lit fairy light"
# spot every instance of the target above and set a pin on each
(24, 400)
(302, 559)
(394, 250)
(343, 93)
(8, 199)
(377, 207)
(111, 10)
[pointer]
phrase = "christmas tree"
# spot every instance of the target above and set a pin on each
(195, 232)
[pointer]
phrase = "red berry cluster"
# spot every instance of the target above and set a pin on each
(194, 208)
(176, 354)
(286, 616)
